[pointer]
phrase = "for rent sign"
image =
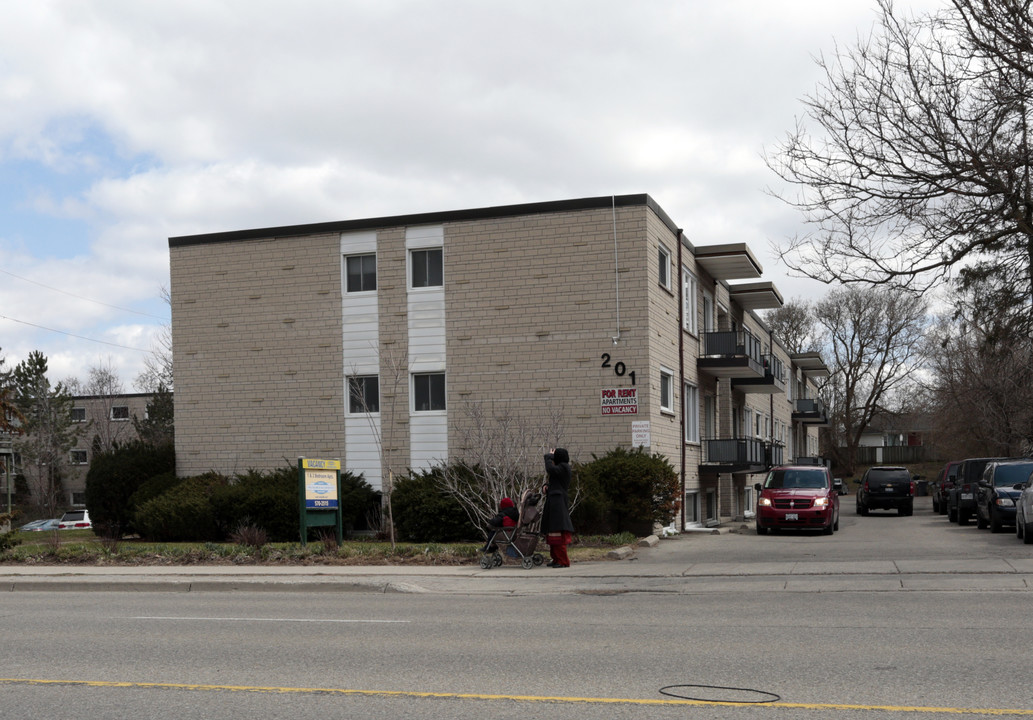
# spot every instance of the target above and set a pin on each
(620, 401)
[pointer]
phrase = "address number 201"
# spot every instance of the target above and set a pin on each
(619, 368)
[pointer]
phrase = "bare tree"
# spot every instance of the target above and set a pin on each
(794, 325)
(873, 337)
(919, 162)
(157, 370)
(500, 454)
(104, 384)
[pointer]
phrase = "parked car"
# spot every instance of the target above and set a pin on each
(998, 490)
(886, 487)
(839, 486)
(75, 520)
(40, 525)
(797, 496)
(944, 482)
(1024, 511)
(961, 499)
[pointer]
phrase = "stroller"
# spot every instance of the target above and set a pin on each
(522, 537)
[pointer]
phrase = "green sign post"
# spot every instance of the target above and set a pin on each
(319, 496)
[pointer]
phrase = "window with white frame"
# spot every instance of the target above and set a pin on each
(747, 422)
(428, 392)
(666, 390)
(427, 268)
(691, 399)
(360, 273)
(78, 414)
(664, 267)
(364, 394)
(748, 502)
(78, 457)
(709, 322)
(120, 413)
(690, 307)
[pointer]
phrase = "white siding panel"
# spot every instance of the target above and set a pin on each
(428, 440)
(428, 432)
(360, 351)
(360, 446)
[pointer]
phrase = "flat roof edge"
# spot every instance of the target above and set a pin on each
(482, 213)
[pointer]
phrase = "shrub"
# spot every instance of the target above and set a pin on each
(424, 512)
(115, 476)
(640, 489)
(182, 513)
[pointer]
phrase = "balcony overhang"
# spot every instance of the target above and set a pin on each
(731, 366)
(767, 385)
(756, 296)
(732, 261)
(811, 364)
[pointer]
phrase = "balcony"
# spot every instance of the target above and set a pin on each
(734, 455)
(733, 354)
(774, 453)
(810, 411)
(772, 383)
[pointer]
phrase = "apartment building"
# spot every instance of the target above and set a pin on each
(99, 422)
(598, 315)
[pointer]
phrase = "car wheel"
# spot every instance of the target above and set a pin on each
(943, 507)
(761, 530)
(962, 517)
(1018, 525)
(827, 530)
(836, 525)
(1027, 533)
(952, 514)
(980, 522)
(936, 505)
(862, 509)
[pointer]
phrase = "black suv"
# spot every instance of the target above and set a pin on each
(997, 493)
(886, 488)
(961, 499)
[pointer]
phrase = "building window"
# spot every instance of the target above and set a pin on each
(691, 508)
(364, 394)
(666, 390)
(690, 307)
(78, 457)
(120, 412)
(691, 399)
(427, 268)
(78, 415)
(664, 267)
(428, 392)
(361, 273)
(748, 505)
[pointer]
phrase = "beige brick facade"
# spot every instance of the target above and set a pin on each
(546, 306)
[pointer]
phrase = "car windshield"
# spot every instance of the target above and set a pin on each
(812, 479)
(1012, 474)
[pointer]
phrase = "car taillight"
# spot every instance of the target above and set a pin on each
(82, 525)
(966, 487)
(912, 487)
(866, 486)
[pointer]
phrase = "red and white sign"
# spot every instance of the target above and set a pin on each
(620, 401)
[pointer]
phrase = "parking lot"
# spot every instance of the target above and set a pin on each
(882, 535)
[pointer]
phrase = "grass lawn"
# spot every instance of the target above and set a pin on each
(82, 547)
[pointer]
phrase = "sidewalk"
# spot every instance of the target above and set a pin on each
(660, 572)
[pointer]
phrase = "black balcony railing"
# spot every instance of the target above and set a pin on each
(732, 343)
(734, 451)
(810, 406)
(775, 368)
(775, 453)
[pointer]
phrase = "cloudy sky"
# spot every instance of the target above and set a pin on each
(123, 123)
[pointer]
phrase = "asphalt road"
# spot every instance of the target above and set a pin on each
(854, 654)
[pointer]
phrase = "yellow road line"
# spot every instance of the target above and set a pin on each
(520, 698)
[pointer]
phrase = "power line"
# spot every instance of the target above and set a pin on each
(80, 337)
(80, 297)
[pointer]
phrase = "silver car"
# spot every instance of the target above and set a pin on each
(1024, 511)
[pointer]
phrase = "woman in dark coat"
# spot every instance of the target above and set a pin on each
(556, 525)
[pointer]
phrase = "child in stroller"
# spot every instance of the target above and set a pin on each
(512, 531)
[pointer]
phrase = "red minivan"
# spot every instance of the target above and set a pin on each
(797, 496)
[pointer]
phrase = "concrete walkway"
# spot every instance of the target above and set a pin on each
(649, 570)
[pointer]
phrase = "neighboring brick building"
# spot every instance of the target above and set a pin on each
(569, 307)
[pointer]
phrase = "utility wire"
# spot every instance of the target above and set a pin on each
(80, 297)
(80, 337)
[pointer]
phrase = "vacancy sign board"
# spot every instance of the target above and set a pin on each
(319, 492)
(620, 401)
